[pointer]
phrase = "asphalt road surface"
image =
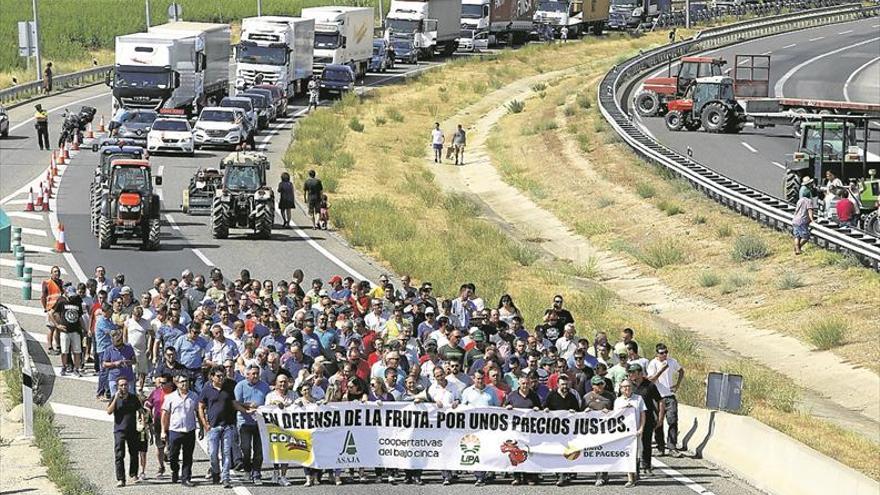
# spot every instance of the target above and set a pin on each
(836, 62)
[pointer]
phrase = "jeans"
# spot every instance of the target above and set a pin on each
(236, 447)
(671, 404)
(647, 433)
(123, 441)
(185, 441)
(251, 450)
(102, 374)
(220, 437)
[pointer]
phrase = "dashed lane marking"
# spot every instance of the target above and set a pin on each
(749, 147)
(817, 38)
(171, 222)
(767, 52)
(789, 46)
(202, 257)
(36, 266)
(779, 165)
(845, 32)
(684, 480)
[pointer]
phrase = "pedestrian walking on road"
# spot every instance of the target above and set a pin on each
(41, 124)
(324, 212)
(313, 190)
(47, 78)
(314, 93)
(52, 290)
(666, 374)
(286, 200)
(69, 323)
(459, 140)
(179, 430)
(124, 407)
(119, 360)
(803, 216)
(251, 393)
(217, 407)
(629, 399)
(437, 140)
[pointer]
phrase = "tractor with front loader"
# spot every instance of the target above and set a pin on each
(243, 199)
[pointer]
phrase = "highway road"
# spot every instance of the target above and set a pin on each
(186, 243)
(836, 62)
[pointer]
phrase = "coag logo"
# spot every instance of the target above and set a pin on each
(515, 453)
(290, 445)
(470, 449)
(349, 451)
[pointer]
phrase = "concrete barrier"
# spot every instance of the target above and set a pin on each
(767, 458)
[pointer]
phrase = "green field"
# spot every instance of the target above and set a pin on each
(72, 29)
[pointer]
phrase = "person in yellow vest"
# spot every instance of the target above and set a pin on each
(49, 294)
(41, 123)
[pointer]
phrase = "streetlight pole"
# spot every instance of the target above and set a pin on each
(37, 42)
(687, 14)
(147, 7)
(259, 8)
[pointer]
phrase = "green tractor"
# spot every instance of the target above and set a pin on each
(845, 146)
(243, 200)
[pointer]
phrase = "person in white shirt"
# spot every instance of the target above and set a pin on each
(478, 395)
(376, 319)
(282, 397)
(666, 374)
(437, 140)
(138, 330)
(567, 344)
(629, 399)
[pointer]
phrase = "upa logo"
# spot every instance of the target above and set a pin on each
(349, 451)
(470, 449)
(515, 453)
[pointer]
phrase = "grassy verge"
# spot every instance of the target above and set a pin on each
(56, 457)
(12, 380)
(386, 201)
(661, 224)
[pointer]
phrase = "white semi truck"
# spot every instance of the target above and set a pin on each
(577, 16)
(275, 50)
(433, 25)
(343, 35)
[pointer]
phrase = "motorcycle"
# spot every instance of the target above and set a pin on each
(74, 124)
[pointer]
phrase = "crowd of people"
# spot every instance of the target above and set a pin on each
(194, 357)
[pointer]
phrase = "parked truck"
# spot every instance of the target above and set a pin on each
(576, 15)
(628, 14)
(343, 35)
(504, 21)
(182, 65)
(275, 50)
(433, 25)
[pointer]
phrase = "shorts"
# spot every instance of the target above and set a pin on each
(314, 208)
(157, 435)
(438, 147)
(801, 231)
(71, 342)
(142, 365)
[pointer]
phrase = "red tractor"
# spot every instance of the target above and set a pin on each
(709, 103)
(657, 92)
(130, 205)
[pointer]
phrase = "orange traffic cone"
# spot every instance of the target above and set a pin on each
(101, 124)
(30, 202)
(75, 146)
(52, 161)
(40, 196)
(65, 151)
(90, 134)
(45, 200)
(50, 182)
(60, 244)
(49, 193)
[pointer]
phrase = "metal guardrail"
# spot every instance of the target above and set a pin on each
(24, 92)
(28, 369)
(615, 88)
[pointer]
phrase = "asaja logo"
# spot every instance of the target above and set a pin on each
(470, 449)
(349, 451)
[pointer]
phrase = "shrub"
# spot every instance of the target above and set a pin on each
(570, 111)
(645, 190)
(394, 114)
(355, 125)
(583, 100)
(723, 231)
(789, 280)
(379, 120)
(699, 220)
(524, 254)
(539, 87)
(709, 279)
(604, 202)
(539, 127)
(669, 207)
(749, 248)
(662, 253)
(516, 106)
(590, 269)
(827, 333)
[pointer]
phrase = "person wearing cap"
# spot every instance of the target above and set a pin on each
(426, 296)
(478, 337)
(41, 124)
(654, 411)
(804, 215)
(628, 399)
(666, 373)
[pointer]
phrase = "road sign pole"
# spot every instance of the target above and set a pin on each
(147, 7)
(37, 41)
(259, 8)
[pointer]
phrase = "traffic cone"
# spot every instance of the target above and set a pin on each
(66, 151)
(30, 201)
(75, 146)
(50, 181)
(59, 158)
(45, 200)
(101, 124)
(60, 244)
(49, 193)
(39, 203)
(90, 134)
(52, 161)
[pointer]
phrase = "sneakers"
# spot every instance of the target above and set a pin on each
(629, 484)
(77, 373)
(275, 479)
(283, 481)
(675, 453)
(160, 473)
(419, 481)
(479, 482)
(63, 371)
(227, 484)
(258, 481)
(332, 478)
(120, 483)
(391, 480)
(446, 482)
(308, 481)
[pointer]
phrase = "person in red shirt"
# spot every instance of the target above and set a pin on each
(846, 210)
(376, 356)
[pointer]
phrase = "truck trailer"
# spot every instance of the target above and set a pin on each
(433, 25)
(628, 14)
(343, 35)
(275, 50)
(576, 15)
(504, 21)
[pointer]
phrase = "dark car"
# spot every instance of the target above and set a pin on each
(133, 125)
(383, 56)
(262, 106)
(278, 98)
(337, 79)
(405, 52)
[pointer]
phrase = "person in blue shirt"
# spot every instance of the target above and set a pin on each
(275, 339)
(119, 360)
(103, 326)
(326, 333)
(311, 343)
(251, 393)
(191, 351)
(168, 333)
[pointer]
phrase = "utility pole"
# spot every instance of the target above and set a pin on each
(37, 42)
(259, 8)
(687, 14)
(147, 7)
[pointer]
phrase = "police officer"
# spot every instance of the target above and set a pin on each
(41, 123)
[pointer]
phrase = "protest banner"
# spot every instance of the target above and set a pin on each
(421, 436)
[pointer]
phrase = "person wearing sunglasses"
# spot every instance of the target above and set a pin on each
(666, 373)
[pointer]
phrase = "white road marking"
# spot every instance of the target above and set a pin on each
(767, 52)
(845, 32)
(779, 165)
(38, 249)
(81, 412)
(17, 202)
(171, 222)
(748, 147)
(56, 370)
(68, 255)
(853, 76)
(25, 214)
(202, 257)
(26, 310)
(817, 38)
(18, 284)
(37, 232)
(684, 480)
(36, 266)
(780, 84)
(789, 46)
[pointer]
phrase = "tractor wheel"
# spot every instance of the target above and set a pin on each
(715, 117)
(647, 104)
(674, 120)
(151, 238)
(871, 223)
(219, 222)
(105, 233)
(791, 187)
(263, 220)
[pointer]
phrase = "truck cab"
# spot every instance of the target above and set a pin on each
(475, 15)
(275, 50)
(556, 13)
